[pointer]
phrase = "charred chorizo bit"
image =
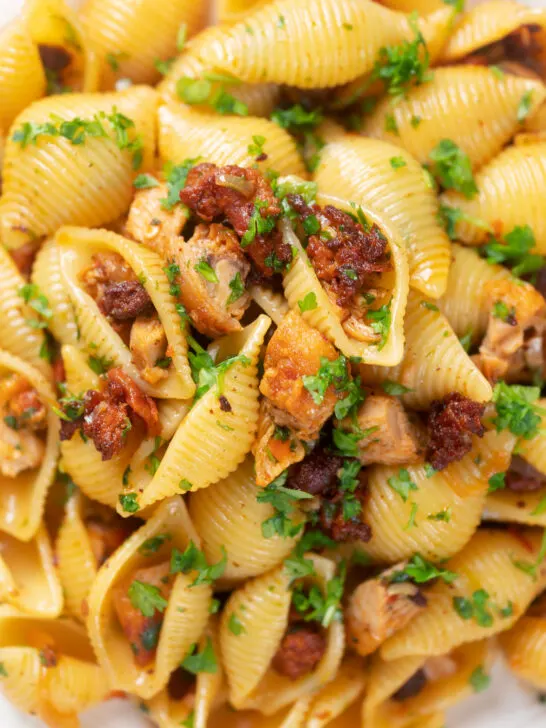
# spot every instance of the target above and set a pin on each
(295, 351)
(125, 300)
(181, 684)
(105, 269)
(23, 257)
(213, 271)
(521, 48)
(151, 224)
(23, 407)
(395, 440)
(538, 607)
(142, 631)
(523, 477)
(54, 58)
(451, 424)
(299, 653)
(148, 346)
(412, 687)
(337, 520)
(317, 474)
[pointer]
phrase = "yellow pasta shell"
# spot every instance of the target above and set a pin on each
(361, 170)
(77, 246)
(524, 648)
(79, 376)
(488, 561)
(210, 443)
(510, 193)
(232, 11)
(301, 280)
(185, 616)
(468, 104)
(185, 133)
(335, 697)
(228, 515)
(407, 6)
(54, 182)
(22, 76)
(459, 490)
(121, 33)
(534, 450)
(22, 498)
(272, 303)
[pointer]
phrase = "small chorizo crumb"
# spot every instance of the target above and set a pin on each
(299, 653)
(451, 424)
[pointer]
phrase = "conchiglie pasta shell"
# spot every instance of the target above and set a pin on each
(434, 362)
(20, 685)
(460, 490)
(28, 579)
(79, 376)
(184, 619)
(464, 304)
(232, 11)
(273, 304)
(534, 450)
(77, 246)
(407, 6)
(510, 194)
(84, 184)
(524, 648)
(202, 450)
(22, 76)
(361, 170)
(46, 274)
(122, 31)
(488, 562)
(289, 51)
(301, 280)
(335, 697)
(260, 98)
(22, 498)
(186, 133)
(228, 515)
(17, 336)
(509, 507)
(468, 104)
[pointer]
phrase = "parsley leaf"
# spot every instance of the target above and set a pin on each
(479, 680)
(283, 501)
(145, 182)
(235, 625)
(308, 302)
(152, 545)
(524, 106)
(452, 168)
(501, 311)
(237, 287)
(257, 224)
(99, 364)
(317, 606)
(516, 410)
(394, 388)
(206, 271)
(146, 598)
(514, 250)
(196, 662)
(129, 502)
(478, 607)
(256, 149)
(302, 124)
(192, 559)
(420, 571)
(402, 484)
(450, 216)
(35, 299)
(176, 176)
(398, 162)
(496, 482)
(381, 323)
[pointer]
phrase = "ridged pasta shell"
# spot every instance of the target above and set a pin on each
(510, 193)
(459, 490)
(83, 184)
(232, 11)
(185, 616)
(77, 246)
(46, 274)
(361, 170)
(18, 337)
(22, 498)
(291, 37)
(407, 6)
(185, 133)
(259, 98)
(28, 579)
(335, 697)
(488, 561)
(468, 104)
(301, 280)
(229, 515)
(273, 304)
(22, 76)
(202, 451)
(262, 606)
(463, 303)
(434, 362)
(524, 648)
(122, 38)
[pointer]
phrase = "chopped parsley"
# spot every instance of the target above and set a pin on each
(402, 484)
(503, 313)
(316, 606)
(444, 515)
(450, 216)
(206, 271)
(298, 567)
(176, 176)
(302, 124)
(172, 271)
(192, 559)
(466, 340)
(397, 162)
(411, 521)
(524, 106)
(129, 502)
(235, 625)
(283, 501)
(152, 545)
(394, 388)
(205, 661)
(453, 168)
(206, 373)
(516, 409)
(99, 364)
(35, 299)
(258, 224)
(210, 90)
(496, 482)
(479, 680)
(3, 671)
(346, 442)
(237, 288)
(391, 125)
(478, 607)
(308, 302)
(145, 182)
(515, 250)
(530, 568)
(381, 323)
(146, 598)
(256, 149)
(420, 571)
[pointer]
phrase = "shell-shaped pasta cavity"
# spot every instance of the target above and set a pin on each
(22, 498)
(524, 649)
(18, 336)
(487, 23)
(385, 678)
(169, 712)
(186, 133)
(492, 561)
(79, 376)
(259, 99)
(362, 170)
(423, 7)
(232, 11)
(301, 280)
(210, 443)
(55, 693)
(353, 31)
(46, 274)
(228, 515)
(122, 38)
(463, 303)
(458, 492)
(262, 606)
(184, 618)
(77, 247)
(468, 104)
(22, 76)
(434, 362)
(272, 303)
(88, 183)
(28, 578)
(509, 194)
(54, 23)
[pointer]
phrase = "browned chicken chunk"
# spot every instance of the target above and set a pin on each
(148, 345)
(22, 416)
(153, 225)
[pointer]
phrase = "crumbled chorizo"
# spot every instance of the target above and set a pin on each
(23, 257)
(523, 477)
(411, 687)
(125, 300)
(521, 46)
(22, 415)
(181, 684)
(54, 58)
(151, 224)
(336, 525)
(22, 403)
(317, 474)
(451, 424)
(294, 351)
(299, 653)
(105, 268)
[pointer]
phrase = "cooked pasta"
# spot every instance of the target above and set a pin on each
(273, 289)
